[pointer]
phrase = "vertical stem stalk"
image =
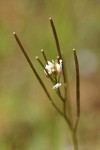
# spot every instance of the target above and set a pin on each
(73, 134)
(74, 140)
(77, 89)
(60, 57)
(55, 37)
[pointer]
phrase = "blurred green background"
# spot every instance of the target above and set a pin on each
(27, 119)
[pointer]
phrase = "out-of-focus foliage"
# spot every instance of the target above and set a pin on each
(27, 119)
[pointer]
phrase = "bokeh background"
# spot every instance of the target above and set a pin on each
(27, 119)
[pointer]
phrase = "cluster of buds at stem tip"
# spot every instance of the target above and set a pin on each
(52, 69)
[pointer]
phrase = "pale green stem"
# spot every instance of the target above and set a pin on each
(74, 140)
(73, 134)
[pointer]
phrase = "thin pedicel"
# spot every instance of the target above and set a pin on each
(44, 55)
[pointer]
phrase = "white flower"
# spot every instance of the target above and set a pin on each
(49, 69)
(50, 64)
(54, 67)
(59, 66)
(57, 86)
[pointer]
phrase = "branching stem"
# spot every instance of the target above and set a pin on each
(36, 74)
(64, 111)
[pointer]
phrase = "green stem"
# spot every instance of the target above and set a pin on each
(74, 140)
(73, 134)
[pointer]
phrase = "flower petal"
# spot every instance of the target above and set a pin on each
(59, 68)
(57, 86)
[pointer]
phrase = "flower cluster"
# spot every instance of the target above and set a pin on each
(54, 69)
